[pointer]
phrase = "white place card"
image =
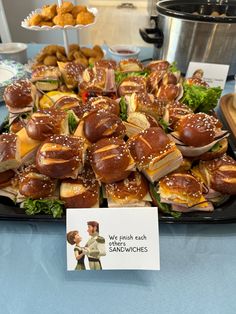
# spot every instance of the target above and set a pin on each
(214, 74)
(112, 238)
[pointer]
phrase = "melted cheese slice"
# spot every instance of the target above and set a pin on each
(27, 144)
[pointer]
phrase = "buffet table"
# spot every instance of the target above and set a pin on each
(198, 270)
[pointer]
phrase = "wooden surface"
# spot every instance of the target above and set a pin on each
(228, 109)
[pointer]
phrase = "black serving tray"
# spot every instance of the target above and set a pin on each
(225, 213)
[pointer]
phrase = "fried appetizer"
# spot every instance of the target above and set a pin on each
(9, 152)
(61, 156)
(45, 123)
(46, 23)
(183, 192)
(77, 9)
(133, 84)
(64, 19)
(71, 73)
(66, 7)
(85, 18)
(35, 185)
(130, 192)
(155, 154)
(46, 78)
(35, 19)
(82, 192)
(49, 11)
(111, 160)
(100, 124)
(196, 134)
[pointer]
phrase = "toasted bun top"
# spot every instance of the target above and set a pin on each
(130, 64)
(158, 65)
(222, 173)
(59, 156)
(107, 64)
(148, 144)
(101, 124)
(103, 102)
(45, 72)
(71, 70)
(176, 110)
(8, 146)
(6, 177)
(80, 193)
(70, 103)
(36, 185)
(133, 84)
(153, 80)
(44, 123)
(133, 188)
(18, 94)
(110, 160)
(169, 91)
(196, 129)
(181, 183)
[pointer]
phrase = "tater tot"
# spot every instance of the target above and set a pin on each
(85, 18)
(64, 19)
(99, 51)
(50, 60)
(35, 19)
(46, 23)
(66, 7)
(77, 9)
(61, 57)
(49, 11)
(88, 52)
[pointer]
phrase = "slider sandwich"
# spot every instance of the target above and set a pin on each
(71, 73)
(156, 79)
(219, 176)
(158, 65)
(144, 102)
(130, 65)
(137, 122)
(44, 123)
(98, 81)
(61, 156)
(103, 102)
(46, 78)
(198, 134)
(68, 103)
(174, 111)
(170, 92)
(20, 98)
(111, 160)
(130, 192)
(100, 124)
(83, 192)
(10, 161)
(182, 191)
(154, 153)
(35, 185)
(106, 64)
(132, 84)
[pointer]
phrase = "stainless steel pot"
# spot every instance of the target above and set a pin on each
(182, 35)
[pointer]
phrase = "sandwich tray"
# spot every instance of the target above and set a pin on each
(225, 213)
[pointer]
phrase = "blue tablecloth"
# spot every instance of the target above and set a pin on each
(198, 274)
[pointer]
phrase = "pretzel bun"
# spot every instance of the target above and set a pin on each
(111, 160)
(103, 102)
(61, 156)
(132, 85)
(44, 123)
(101, 124)
(18, 94)
(36, 185)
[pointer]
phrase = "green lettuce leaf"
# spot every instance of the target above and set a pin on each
(123, 109)
(165, 208)
(201, 98)
(173, 67)
(120, 76)
(45, 206)
(72, 121)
